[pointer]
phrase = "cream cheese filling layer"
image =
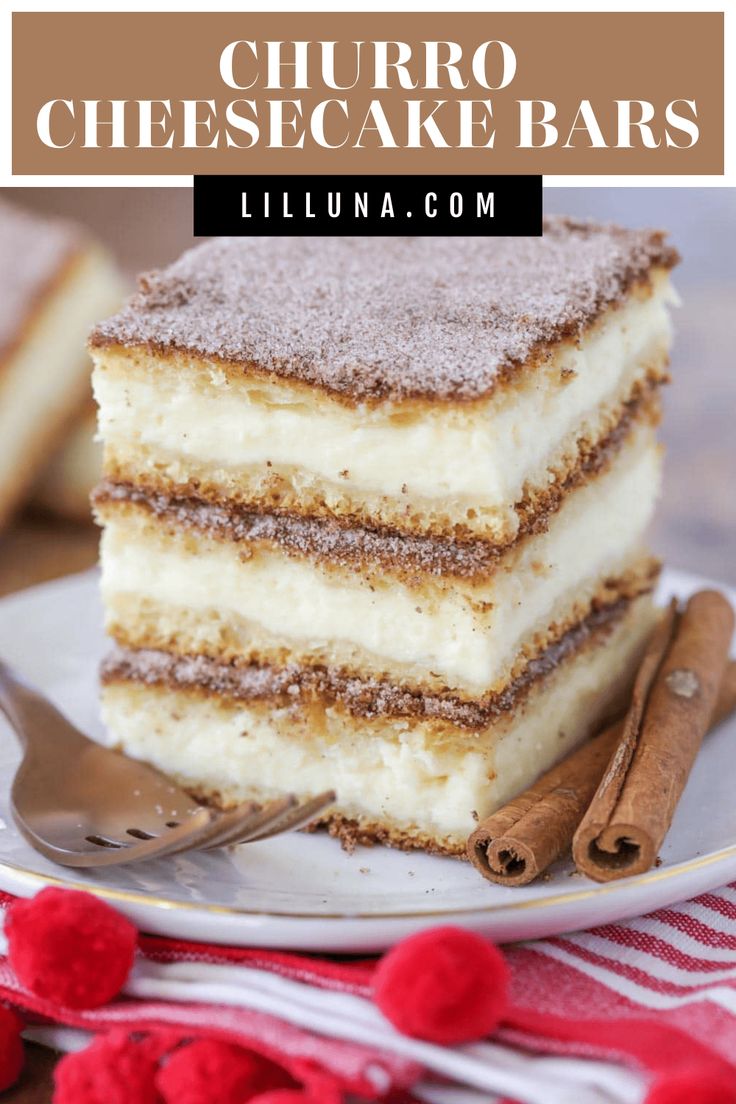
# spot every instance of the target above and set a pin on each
(181, 416)
(388, 773)
(160, 578)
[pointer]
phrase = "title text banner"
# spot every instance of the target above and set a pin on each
(379, 93)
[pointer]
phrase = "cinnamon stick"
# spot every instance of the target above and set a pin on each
(517, 843)
(632, 809)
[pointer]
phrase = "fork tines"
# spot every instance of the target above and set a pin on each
(246, 824)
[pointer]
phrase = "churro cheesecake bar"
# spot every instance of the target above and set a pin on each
(374, 514)
(54, 282)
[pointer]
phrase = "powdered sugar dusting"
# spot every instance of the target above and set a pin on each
(32, 251)
(387, 317)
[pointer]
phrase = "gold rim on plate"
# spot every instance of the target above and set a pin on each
(133, 897)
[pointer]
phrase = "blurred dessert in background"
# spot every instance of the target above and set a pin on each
(54, 282)
(65, 484)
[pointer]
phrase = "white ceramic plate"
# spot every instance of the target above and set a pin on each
(303, 891)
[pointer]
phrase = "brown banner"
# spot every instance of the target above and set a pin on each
(554, 93)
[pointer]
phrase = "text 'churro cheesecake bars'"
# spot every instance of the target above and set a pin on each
(374, 513)
(54, 283)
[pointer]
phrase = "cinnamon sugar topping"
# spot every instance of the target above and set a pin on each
(387, 318)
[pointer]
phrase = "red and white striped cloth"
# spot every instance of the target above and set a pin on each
(626, 1001)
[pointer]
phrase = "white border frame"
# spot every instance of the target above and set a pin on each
(7, 7)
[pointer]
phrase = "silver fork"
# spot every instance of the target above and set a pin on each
(84, 805)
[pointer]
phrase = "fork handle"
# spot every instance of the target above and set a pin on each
(26, 709)
(13, 703)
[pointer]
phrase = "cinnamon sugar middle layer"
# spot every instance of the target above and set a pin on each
(339, 541)
(363, 697)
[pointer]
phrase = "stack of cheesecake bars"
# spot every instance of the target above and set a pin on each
(373, 515)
